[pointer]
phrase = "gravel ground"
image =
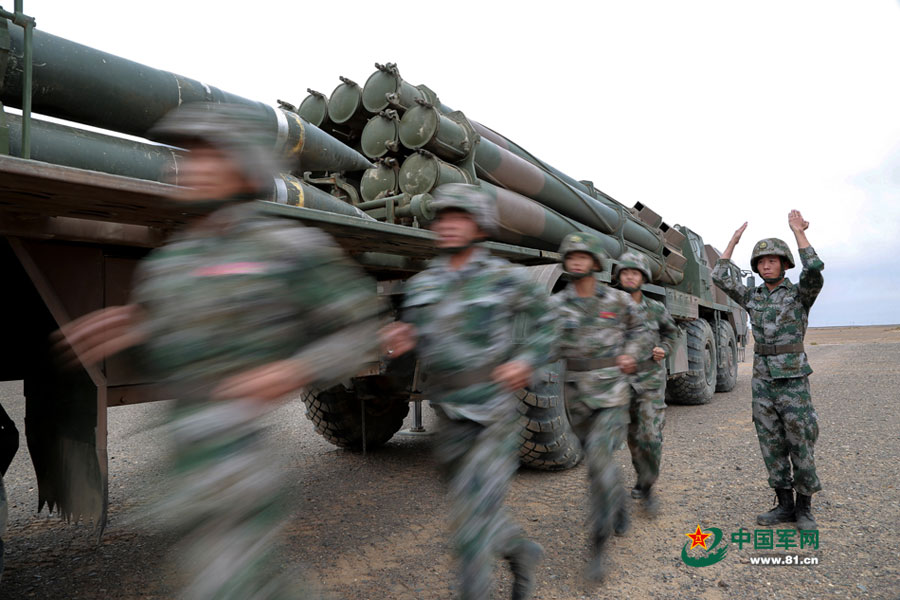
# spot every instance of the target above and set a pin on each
(373, 527)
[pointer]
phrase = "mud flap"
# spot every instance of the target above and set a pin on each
(65, 408)
(61, 426)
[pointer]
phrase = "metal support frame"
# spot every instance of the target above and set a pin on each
(27, 23)
(73, 478)
(417, 417)
(720, 351)
(417, 429)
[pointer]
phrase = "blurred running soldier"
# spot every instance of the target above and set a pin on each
(655, 341)
(600, 326)
(786, 422)
(464, 314)
(236, 311)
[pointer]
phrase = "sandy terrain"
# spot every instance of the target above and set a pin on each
(373, 527)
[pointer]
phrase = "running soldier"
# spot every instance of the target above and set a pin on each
(656, 340)
(600, 327)
(236, 311)
(786, 422)
(481, 330)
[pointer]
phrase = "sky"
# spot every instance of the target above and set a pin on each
(711, 113)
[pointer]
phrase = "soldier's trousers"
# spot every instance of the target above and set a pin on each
(645, 434)
(479, 462)
(787, 427)
(601, 431)
(227, 502)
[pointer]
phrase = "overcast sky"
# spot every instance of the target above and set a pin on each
(709, 112)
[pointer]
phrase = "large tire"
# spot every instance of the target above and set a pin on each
(548, 442)
(337, 414)
(698, 384)
(726, 373)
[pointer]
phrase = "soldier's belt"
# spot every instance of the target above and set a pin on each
(457, 381)
(773, 349)
(589, 364)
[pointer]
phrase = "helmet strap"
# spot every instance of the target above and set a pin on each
(209, 205)
(453, 250)
(572, 277)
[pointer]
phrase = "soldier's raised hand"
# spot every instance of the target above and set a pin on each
(737, 235)
(734, 241)
(796, 221)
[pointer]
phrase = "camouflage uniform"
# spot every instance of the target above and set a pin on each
(601, 327)
(468, 322)
(217, 302)
(786, 422)
(648, 391)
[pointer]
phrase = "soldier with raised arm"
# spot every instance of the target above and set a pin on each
(599, 328)
(786, 422)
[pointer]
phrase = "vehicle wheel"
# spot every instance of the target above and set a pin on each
(337, 413)
(697, 385)
(726, 374)
(548, 442)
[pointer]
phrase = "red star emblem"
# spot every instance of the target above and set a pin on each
(698, 538)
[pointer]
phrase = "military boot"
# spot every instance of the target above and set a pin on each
(636, 492)
(598, 568)
(650, 502)
(623, 520)
(803, 513)
(523, 561)
(783, 513)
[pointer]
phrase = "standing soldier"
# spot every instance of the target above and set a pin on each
(482, 330)
(231, 314)
(655, 341)
(786, 422)
(600, 326)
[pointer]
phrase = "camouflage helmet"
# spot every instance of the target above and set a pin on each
(467, 198)
(773, 247)
(634, 260)
(244, 133)
(584, 242)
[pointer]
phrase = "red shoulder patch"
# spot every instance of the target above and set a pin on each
(608, 315)
(237, 268)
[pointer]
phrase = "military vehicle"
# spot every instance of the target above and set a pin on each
(78, 210)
